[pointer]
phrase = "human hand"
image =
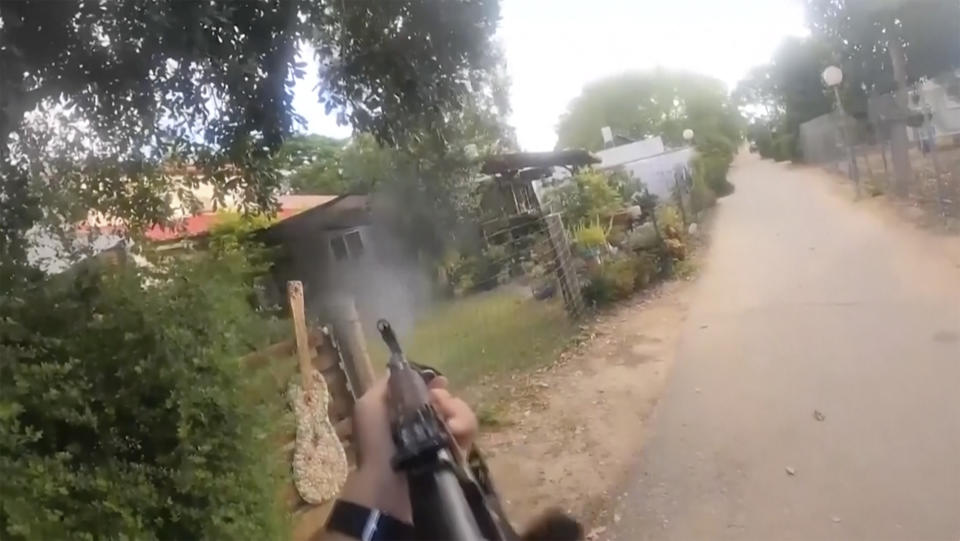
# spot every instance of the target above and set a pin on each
(374, 484)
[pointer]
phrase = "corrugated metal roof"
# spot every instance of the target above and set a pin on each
(199, 224)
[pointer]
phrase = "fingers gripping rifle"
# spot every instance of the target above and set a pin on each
(451, 500)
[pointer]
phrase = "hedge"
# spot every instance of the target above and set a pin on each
(123, 413)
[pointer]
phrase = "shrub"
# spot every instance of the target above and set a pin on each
(124, 413)
(589, 195)
(716, 145)
(598, 289)
(646, 270)
(711, 169)
(701, 196)
(617, 235)
(642, 238)
(785, 147)
(671, 223)
(622, 274)
(479, 272)
(618, 278)
(590, 238)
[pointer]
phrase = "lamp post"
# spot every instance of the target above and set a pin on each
(832, 77)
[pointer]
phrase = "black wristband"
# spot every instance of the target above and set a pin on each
(366, 524)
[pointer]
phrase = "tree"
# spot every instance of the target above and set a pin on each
(132, 88)
(866, 36)
(430, 191)
(645, 104)
(589, 196)
(785, 93)
(426, 186)
(310, 164)
(123, 411)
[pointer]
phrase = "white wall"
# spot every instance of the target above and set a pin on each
(657, 172)
(614, 156)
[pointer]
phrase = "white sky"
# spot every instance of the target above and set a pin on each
(555, 47)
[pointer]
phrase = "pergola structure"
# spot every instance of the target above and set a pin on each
(513, 175)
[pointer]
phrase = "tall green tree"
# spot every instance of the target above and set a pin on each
(123, 410)
(648, 103)
(426, 185)
(310, 164)
(786, 92)
(861, 34)
(99, 98)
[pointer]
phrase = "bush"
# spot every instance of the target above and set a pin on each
(785, 148)
(590, 238)
(646, 267)
(711, 170)
(124, 413)
(589, 195)
(671, 223)
(716, 145)
(701, 196)
(642, 238)
(618, 278)
(478, 272)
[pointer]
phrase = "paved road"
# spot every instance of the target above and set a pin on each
(807, 302)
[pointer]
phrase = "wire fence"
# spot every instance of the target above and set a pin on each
(906, 146)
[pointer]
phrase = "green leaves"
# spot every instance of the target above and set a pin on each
(589, 196)
(645, 104)
(138, 100)
(786, 93)
(858, 33)
(125, 413)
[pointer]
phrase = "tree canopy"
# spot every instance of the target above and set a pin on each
(783, 94)
(427, 183)
(859, 34)
(119, 104)
(123, 410)
(862, 37)
(310, 164)
(648, 103)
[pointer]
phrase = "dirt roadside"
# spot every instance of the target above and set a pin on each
(571, 431)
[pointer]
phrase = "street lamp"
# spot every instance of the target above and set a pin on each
(832, 77)
(688, 135)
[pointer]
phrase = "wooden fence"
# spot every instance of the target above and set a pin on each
(316, 348)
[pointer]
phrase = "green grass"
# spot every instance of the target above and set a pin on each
(488, 334)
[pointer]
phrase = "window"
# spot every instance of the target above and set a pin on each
(339, 248)
(347, 246)
(355, 244)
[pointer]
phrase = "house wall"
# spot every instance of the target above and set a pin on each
(657, 172)
(619, 155)
(383, 281)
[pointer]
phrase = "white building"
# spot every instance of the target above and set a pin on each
(648, 162)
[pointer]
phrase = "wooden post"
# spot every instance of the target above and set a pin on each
(295, 297)
(359, 368)
(567, 275)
